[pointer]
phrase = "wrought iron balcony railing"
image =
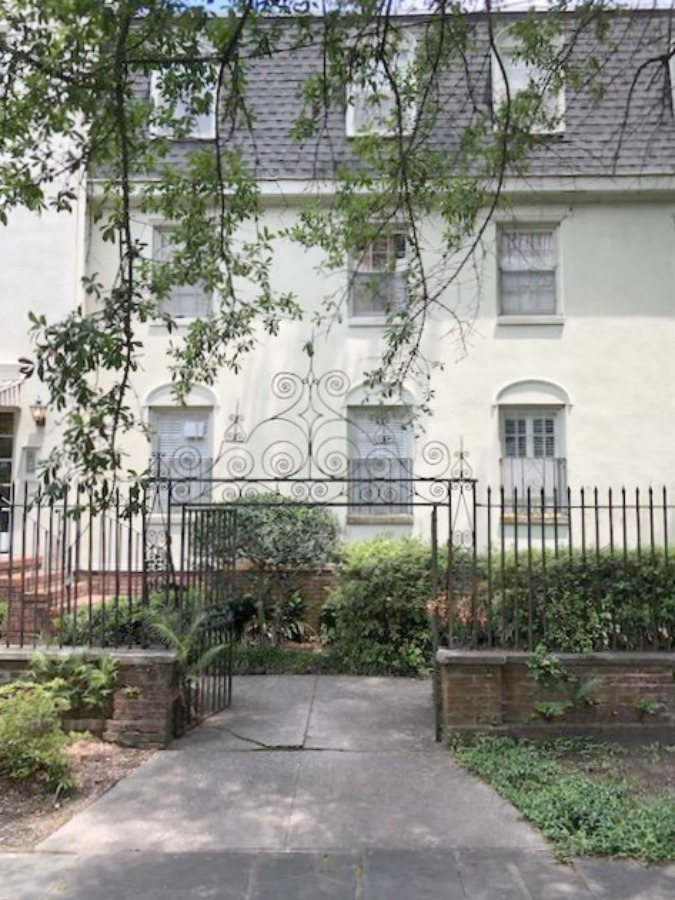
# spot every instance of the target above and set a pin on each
(536, 475)
(380, 486)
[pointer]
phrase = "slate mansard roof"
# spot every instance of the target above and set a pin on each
(619, 123)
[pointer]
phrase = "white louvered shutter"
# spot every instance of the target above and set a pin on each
(182, 441)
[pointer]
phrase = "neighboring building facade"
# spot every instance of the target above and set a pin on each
(42, 267)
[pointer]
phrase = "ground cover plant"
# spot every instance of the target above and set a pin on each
(586, 798)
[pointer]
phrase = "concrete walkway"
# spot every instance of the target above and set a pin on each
(311, 788)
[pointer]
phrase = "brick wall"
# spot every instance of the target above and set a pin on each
(312, 585)
(142, 713)
(484, 691)
(29, 618)
(142, 709)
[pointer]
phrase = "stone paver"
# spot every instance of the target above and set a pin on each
(29, 876)
(626, 880)
(312, 789)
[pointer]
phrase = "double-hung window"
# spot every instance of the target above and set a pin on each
(380, 461)
(381, 98)
(513, 75)
(528, 271)
(378, 276)
(533, 456)
(180, 300)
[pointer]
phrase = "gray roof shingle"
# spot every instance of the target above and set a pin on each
(614, 124)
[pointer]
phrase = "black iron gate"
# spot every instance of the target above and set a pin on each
(189, 561)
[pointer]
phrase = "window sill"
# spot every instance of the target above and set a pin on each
(531, 320)
(367, 321)
(383, 519)
(535, 518)
(182, 324)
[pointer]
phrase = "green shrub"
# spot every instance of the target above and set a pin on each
(278, 537)
(272, 532)
(267, 659)
(32, 742)
(88, 684)
(569, 604)
(376, 620)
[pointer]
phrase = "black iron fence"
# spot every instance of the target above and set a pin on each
(576, 570)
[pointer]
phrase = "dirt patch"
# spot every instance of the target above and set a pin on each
(27, 815)
(650, 769)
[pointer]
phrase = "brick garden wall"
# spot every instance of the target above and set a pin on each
(143, 699)
(492, 691)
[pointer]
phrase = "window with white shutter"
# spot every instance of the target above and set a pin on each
(380, 460)
(527, 271)
(522, 75)
(533, 456)
(373, 105)
(378, 277)
(184, 301)
(182, 442)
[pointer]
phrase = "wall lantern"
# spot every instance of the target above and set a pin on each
(38, 411)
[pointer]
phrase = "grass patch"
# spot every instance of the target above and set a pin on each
(580, 795)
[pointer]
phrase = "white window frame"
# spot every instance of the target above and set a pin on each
(506, 46)
(535, 317)
(362, 97)
(197, 133)
(178, 293)
(187, 460)
(381, 443)
(532, 468)
(362, 269)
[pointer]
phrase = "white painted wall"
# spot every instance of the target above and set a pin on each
(613, 355)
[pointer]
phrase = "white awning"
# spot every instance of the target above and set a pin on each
(10, 392)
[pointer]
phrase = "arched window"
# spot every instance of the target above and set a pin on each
(181, 437)
(532, 433)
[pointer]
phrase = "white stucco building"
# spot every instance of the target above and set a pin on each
(567, 376)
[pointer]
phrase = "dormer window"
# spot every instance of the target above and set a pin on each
(511, 67)
(380, 99)
(180, 115)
